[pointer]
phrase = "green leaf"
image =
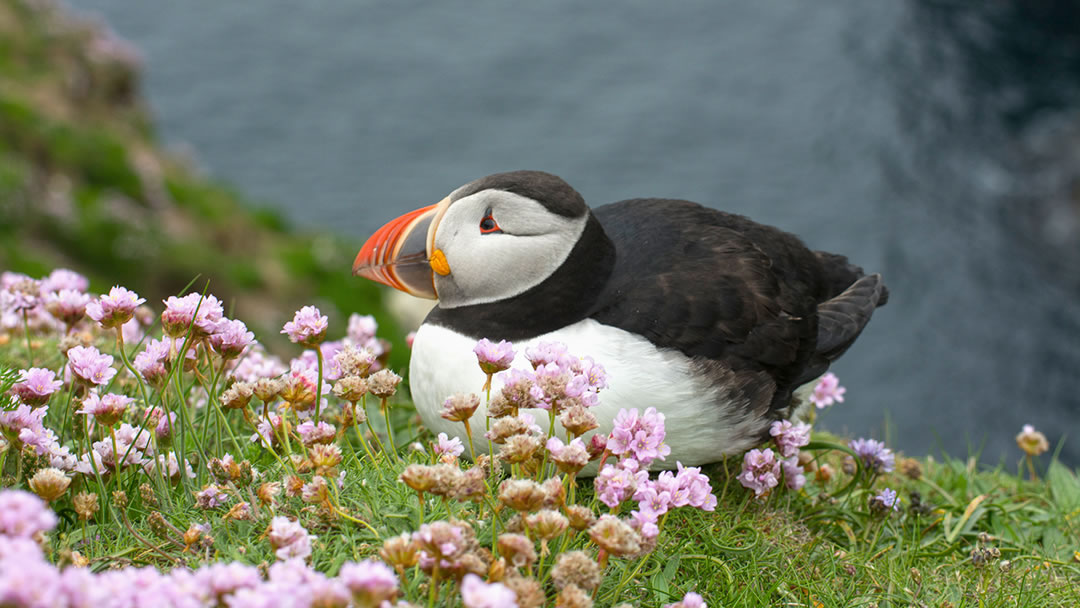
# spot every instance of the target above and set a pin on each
(1064, 486)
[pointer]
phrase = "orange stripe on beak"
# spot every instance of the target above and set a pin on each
(396, 254)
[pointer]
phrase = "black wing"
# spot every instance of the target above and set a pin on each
(721, 288)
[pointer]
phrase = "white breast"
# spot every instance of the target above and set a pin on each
(699, 428)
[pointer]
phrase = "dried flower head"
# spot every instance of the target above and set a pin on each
(50, 483)
(351, 388)
(572, 596)
(316, 492)
(460, 407)
(517, 549)
(1031, 441)
(268, 492)
(237, 396)
(528, 590)
(576, 568)
(578, 420)
(522, 495)
(615, 536)
(325, 457)
(86, 505)
(383, 383)
(400, 551)
(580, 517)
(569, 458)
(546, 523)
(911, 468)
(268, 389)
(519, 448)
(419, 477)
(352, 361)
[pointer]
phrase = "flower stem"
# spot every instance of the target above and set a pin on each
(468, 433)
(318, 382)
(389, 431)
(26, 328)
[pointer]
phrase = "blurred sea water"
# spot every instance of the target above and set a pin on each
(935, 142)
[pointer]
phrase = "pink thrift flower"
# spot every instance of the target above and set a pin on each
(210, 497)
(789, 437)
(90, 365)
(653, 499)
(61, 279)
(794, 476)
(21, 418)
(107, 410)
(646, 523)
(571, 457)
(827, 391)
(370, 582)
(874, 455)
(696, 487)
(312, 433)
(115, 308)
(640, 437)
(192, 311)
(308, 327)
(361, 329)
(447, 446)
(690, 600)
(410, 338)
(289, 538)
(22, 515)
(36, 385)
(544, 353)
(230, 338)
(494, 358)
(761, 471)
(614, 484)
(885, 501)
(475, 593)
(150, 362)
(67, 305)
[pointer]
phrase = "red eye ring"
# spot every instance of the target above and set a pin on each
(488, 224)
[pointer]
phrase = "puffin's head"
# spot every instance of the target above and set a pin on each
(489, 240)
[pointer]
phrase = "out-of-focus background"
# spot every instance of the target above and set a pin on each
(936, 142)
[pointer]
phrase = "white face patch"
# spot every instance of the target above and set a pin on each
(532, 244)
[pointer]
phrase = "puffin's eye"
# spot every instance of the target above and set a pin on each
(488, 225)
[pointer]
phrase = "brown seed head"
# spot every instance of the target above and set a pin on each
(86, 505)
(1031, 441)
(50, 484)
(400, 551)
(576, 568)
(506, 427)
(268, 492)
(517, 549)
(615, 536)
(354, 361)
(351, 388)
(419, 477)
(268, 389)
(528, 591)
(325, 457)
(460, 407)
(578, 420)
(580, 516)
(519, 448)
(237, 396)
(911, 468)
(499, 407)
(383, 383)
(299, 392)
(547, 524)
(521, 494)
(571, 596)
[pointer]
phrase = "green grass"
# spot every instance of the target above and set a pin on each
(820, 546)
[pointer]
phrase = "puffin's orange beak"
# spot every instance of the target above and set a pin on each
(397, 254)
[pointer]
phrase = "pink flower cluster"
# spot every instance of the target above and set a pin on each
(688, 487)
(494, 358)
(35, 386)
(640, 437)
(827, 391)
(115, 308)
(27, 579)
(308, 327)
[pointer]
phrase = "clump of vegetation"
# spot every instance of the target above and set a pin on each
(85, 184)
(174, 440)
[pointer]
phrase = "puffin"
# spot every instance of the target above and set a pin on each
(713, 319)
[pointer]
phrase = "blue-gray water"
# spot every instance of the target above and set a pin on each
(935, 142)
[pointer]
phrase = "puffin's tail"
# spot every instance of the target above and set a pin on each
(842, 318)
